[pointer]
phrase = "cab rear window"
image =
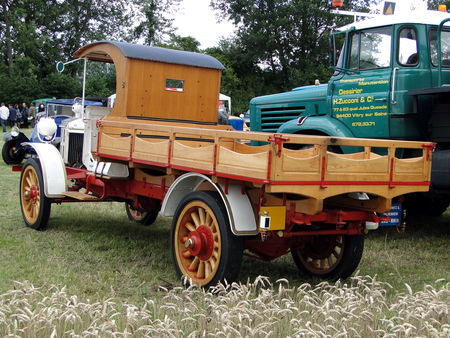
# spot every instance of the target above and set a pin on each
(445, 47)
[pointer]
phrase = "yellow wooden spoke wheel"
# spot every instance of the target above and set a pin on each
(203, 248)
(34, 204)
(147, 217)
(331, 256)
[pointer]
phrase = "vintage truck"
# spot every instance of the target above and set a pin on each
(161, 150)
(391, 76)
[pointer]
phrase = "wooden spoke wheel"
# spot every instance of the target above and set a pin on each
(331, 257)
(203, 248)
(34, 204)
(147, 217)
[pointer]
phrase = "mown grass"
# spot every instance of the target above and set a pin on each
(93, 250)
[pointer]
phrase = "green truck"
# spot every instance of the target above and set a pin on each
(391, 80)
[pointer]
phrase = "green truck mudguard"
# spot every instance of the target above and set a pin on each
(317, 125)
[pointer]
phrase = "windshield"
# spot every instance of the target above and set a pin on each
(59, 109)
(445, 47)
(371, 49)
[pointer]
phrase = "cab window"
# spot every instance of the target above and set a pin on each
(371, 49)
(407, 47)
(445, 47)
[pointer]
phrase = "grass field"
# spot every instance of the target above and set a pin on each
(97, 254)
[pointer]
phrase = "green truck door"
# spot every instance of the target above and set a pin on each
(360, 97)
(411, 70)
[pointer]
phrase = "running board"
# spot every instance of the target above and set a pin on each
(80, 196)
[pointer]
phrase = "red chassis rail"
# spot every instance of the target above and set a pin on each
(268, 245)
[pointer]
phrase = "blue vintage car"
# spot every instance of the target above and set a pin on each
(13, 152)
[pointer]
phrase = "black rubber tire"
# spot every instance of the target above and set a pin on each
(8, 155)
(428, 204)
(35, 214)
(145, 218)
(229, 261)
(349, 257)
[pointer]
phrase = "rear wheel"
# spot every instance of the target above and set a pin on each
(35, 206)
(426, 204)
(329, 257)
(10, 154)
(203, 248)
(147, 217)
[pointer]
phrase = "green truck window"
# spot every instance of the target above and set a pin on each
(407, 47)
(371, 49)
(445, 47)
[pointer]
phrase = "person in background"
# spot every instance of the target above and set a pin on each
(12, 115)
(4, 115)
(24, 112)
(41, 107)
(18, 115)
(32, 114)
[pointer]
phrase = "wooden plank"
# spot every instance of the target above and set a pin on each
(248, 165)
(151, 150)
(200, 157)
(80, 196)
(114, 145)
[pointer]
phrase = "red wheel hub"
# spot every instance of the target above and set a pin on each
(200, 242)
(33, 193)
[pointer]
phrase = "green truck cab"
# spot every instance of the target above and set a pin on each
(388, 82)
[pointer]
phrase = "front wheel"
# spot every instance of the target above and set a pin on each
(329, 256)
(35, 206)
(203, 248)
(10, 153)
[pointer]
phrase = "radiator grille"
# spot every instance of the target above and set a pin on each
(75, 148)
(273, 118)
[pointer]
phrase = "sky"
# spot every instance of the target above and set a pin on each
(195, 18)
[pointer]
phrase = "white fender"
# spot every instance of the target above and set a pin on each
(53, 168)
(238, 205)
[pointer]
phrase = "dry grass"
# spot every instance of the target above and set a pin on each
(359, 307)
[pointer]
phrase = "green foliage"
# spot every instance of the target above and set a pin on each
(60, 86)
(187, 43)
(155, 23)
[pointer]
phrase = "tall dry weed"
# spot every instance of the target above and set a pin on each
(359, 307)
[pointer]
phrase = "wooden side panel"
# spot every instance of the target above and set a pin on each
(248, 165)
(340, 168)
(152, 150)
(411, 169)
(115, 145)
(297, 169)
(193, 157)
(148, 96)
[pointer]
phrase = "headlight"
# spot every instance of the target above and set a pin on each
(15, 131)
(47, 128)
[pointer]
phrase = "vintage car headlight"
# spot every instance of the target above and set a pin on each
(47, 128)
(15, 131)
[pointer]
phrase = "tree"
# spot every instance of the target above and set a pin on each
(154, 23)
(186, 43)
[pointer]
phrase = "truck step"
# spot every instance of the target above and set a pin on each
(80, 196)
